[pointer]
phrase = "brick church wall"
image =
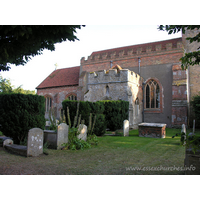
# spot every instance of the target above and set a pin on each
(157, 60)
(58, 95)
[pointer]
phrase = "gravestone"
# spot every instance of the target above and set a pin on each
(83, 132)
(193, 125)
(62, 135)
(126, 127)
(183, 130)
(7, 141)
(35, 142)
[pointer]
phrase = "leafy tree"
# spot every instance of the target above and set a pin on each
(192, 58)
(5, 85)
(7, 88)
(19, 43)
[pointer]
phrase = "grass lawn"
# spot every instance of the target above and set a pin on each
(114, 155)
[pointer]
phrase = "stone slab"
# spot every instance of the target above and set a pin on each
(17, 149)
(152, 124)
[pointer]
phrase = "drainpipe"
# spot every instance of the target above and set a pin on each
(143, 84)
(188, 95)
(111, 64)
(143, 102)
(139, 64)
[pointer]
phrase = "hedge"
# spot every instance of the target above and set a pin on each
(19, 113)
(110, 114)
(196, 107)
(115, 112)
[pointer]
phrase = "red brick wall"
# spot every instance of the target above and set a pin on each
(58, 95)
(179, 96)
(155, 132)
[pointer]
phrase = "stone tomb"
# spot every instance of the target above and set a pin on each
(34, 144)
(56, 139)
(154, 130)
(126, 127)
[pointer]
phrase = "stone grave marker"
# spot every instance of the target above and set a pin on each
(183, 130)
(126, 127)
(62, 135)
(35, 142)
(7, 141)
(83, 132)
(193, 126)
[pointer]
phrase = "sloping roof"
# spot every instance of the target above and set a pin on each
(143, 46)
(61, 77)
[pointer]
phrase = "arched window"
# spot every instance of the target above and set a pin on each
(48, 103)
(72, 97)
(152, 98)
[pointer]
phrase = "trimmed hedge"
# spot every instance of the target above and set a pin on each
(110, 114)
(19, 113)
(196, 107)
(116, 112)
(85, 108)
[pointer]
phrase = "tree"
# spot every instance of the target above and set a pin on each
(19, 43)
(7, 88)
(5, 85)
(192, 58)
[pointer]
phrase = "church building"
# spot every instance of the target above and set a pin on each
(149, 76)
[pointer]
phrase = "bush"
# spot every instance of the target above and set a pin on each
(20, 113)
(110, 114)
(116, 112)
(196, 107)
(85, 108)
(100, 125)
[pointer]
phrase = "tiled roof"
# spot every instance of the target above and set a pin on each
(143, 46)
(61, 77)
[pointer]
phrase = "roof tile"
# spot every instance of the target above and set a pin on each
(61, 77)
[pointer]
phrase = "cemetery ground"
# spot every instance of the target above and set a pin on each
(114, 155)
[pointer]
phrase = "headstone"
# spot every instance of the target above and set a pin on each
(193, 125)
(35, 142)
(83, 132)
(62, 135)
(48, 123)
(191, 134)
(183, 130)
(126, 127)
(7, 141)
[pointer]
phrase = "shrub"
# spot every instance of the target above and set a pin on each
(85, 108)
(20, 113)
(196, 107)
(115, 113)
(100, 125)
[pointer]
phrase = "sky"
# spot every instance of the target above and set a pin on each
(68, 54)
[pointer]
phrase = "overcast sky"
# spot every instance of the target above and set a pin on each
(68, 54)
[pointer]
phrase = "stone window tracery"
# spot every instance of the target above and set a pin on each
(72, 97)
(152, 95)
